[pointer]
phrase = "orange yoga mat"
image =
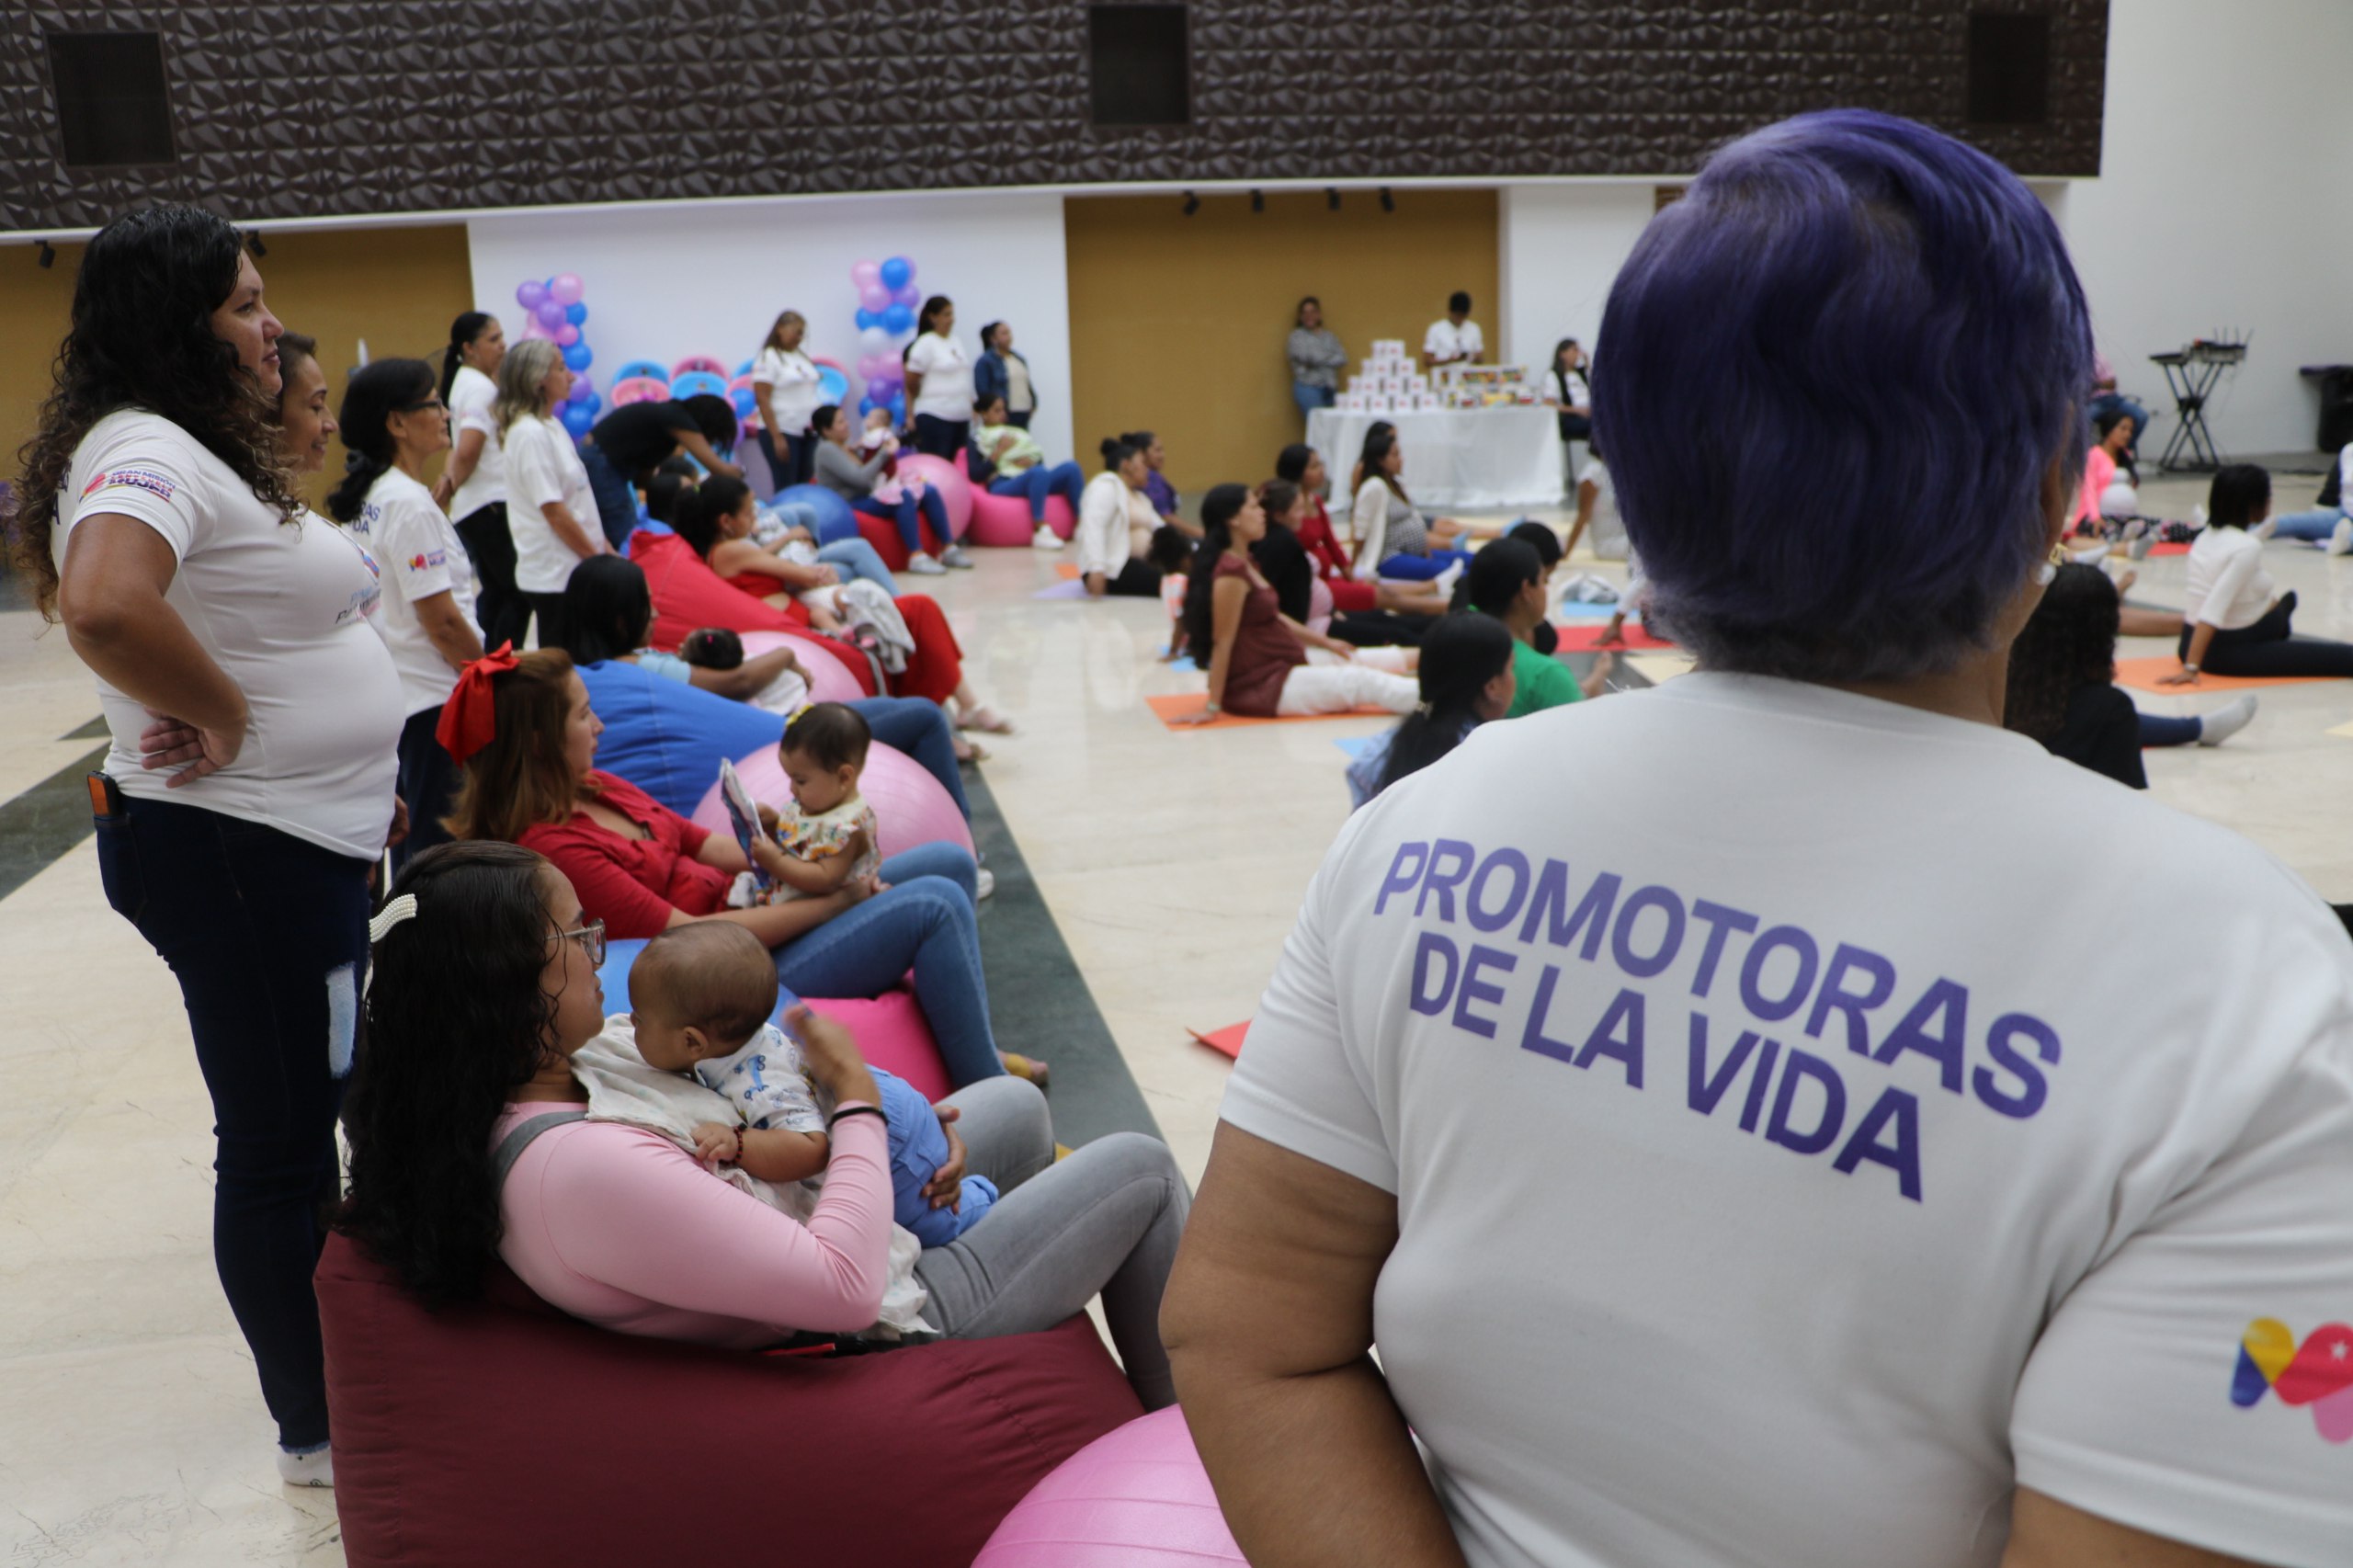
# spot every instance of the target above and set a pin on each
(1631, 639)
(1066, 570)
(1172, 708)
(1227, 1039)
(2142, 675)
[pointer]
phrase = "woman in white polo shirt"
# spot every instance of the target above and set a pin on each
(247, 790)
(547, 497)
(1700, 1099)
(393, 425)
(786, 384)
(940, 382)
(472, 487)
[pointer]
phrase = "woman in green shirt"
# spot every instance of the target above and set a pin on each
(1019, 464)
(1507, 580)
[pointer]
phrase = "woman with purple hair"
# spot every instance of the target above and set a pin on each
(1701, 1101)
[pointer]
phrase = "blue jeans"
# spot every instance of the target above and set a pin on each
(925, 923)
(616, 497)
(918, 726)
(857, 560)
(933, 510)
(2157, 730)
(1309, 399)
(428, 782)
(267, 936)
(1065, 480)
(1422, 568)
(2315, 525)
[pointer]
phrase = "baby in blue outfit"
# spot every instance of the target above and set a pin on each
(702, 995)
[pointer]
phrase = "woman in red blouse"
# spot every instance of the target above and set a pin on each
(528, 737)
(1300, 464)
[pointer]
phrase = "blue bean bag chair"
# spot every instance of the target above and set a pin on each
(667, 737)
(835, 521)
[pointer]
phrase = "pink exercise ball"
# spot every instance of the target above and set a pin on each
(1004, 520)
(829, 679)
(949, 479)
(911, 808)
(1133, 1498)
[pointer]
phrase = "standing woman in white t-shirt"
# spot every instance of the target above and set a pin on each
(472, 486)
(546, 485)
(393, 425)
(940, 382)
(787, 388)
(247, 790)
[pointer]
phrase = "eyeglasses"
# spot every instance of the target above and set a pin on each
(591, 938)
(432, 402)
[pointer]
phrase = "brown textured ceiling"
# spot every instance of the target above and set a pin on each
(289, 110)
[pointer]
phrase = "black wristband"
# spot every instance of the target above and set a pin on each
(849, 1110)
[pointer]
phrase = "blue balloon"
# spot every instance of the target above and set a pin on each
(593, 404)
(867, 405)
(575, 313)
(577, 358)
(867, 318)
(897, 272)
(897, 319)
(577, 420)
(835, 521)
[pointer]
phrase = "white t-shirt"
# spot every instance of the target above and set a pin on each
(543, 465)
(797, 386)
(470, 397)
(1104, 540)
(1778, 1183)
(947, 377)
(420, 555)
(1606, 529)
(2228, 588)
(282, 608)
(1446, 341)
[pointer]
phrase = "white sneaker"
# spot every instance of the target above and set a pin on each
(923, 566)
(2340, 538)
(306, 1470)
(2220, 725)
(986, 882)
(1045, 538)
(954, 556)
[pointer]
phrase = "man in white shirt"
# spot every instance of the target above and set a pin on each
(1454, 339)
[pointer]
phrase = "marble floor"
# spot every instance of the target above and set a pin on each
(1172, 862)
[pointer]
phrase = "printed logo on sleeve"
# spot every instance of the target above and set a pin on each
(2318, 1373)
(158, 485)
(431, 558)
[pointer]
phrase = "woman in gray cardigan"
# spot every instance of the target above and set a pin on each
(1316, 358)
(853, 478)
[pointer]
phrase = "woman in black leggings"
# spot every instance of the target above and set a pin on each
(2236, 624)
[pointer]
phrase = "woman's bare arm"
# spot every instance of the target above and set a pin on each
(732, 557)
(2047, 1533)
(110, 596)
(747, 679)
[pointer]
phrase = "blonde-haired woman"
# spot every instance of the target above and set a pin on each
(787, 388)
(547, 487)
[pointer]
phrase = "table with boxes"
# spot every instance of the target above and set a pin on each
(1473, 435)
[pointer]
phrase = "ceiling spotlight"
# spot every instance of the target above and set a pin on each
(1257, 201)
(46, 256)
(1388, 203)
(1331, 199)
(1192, 204)
(254, 241)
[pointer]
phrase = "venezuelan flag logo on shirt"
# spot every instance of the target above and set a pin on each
(2319, 1372)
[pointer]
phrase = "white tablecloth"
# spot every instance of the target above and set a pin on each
(1470, 456)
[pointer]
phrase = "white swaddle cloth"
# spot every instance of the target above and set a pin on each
(622, 1087)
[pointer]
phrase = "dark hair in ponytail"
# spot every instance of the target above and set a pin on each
(696, 520)
(377, 392)
(1218, 509)
(1292, 462)
(462, 333)
(1460, 655)
(1497, 574)
(1116, 450)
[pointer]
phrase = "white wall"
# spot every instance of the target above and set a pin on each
(1561, 247)
(670, 280)
(2227, 153)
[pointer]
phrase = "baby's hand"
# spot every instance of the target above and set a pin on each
(715, 1144)
(768, 813)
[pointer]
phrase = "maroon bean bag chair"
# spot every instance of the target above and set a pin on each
(688, 596)
(501, 1432)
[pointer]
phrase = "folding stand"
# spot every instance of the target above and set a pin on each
(2190, 376)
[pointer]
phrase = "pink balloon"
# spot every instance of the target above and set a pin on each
(874, 297)
(567, 334)
(567, 288)
(866, 274)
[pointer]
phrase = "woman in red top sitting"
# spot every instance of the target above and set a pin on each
(1303, 466)
(528, 738)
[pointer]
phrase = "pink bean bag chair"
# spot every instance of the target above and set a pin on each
(1004, 520)
(687, 595)
(1137, 1498)
(503, 1432)
(910, 806)
(948, 478)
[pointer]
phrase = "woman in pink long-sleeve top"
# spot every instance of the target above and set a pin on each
(484, 983)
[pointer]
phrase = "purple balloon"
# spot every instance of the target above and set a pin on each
(909, 296)
(874, 297)
(865, 275)
(529, 295)
(550, 314)
(581, 390)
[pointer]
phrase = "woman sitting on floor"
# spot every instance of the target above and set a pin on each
(1394, 539)
(483, 985)
(2236, 624)
(1302, 465)
(1257, 660)
(2062, 691)
(1116, 524)
(860, 481)
(2108, 479)
(1281, 558)
(526, 735)
(1506, 581)
(1466, 680)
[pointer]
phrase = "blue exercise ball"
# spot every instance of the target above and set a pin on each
(835, 521)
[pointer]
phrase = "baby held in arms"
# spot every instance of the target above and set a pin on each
(702, 993)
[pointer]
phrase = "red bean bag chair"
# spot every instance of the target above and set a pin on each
(687, 595)
(883, 535)
(1004, 520)
(503, 1432)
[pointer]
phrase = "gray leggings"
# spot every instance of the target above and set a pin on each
(1105, 1220)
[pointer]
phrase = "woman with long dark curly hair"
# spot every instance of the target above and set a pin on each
(249, 787)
